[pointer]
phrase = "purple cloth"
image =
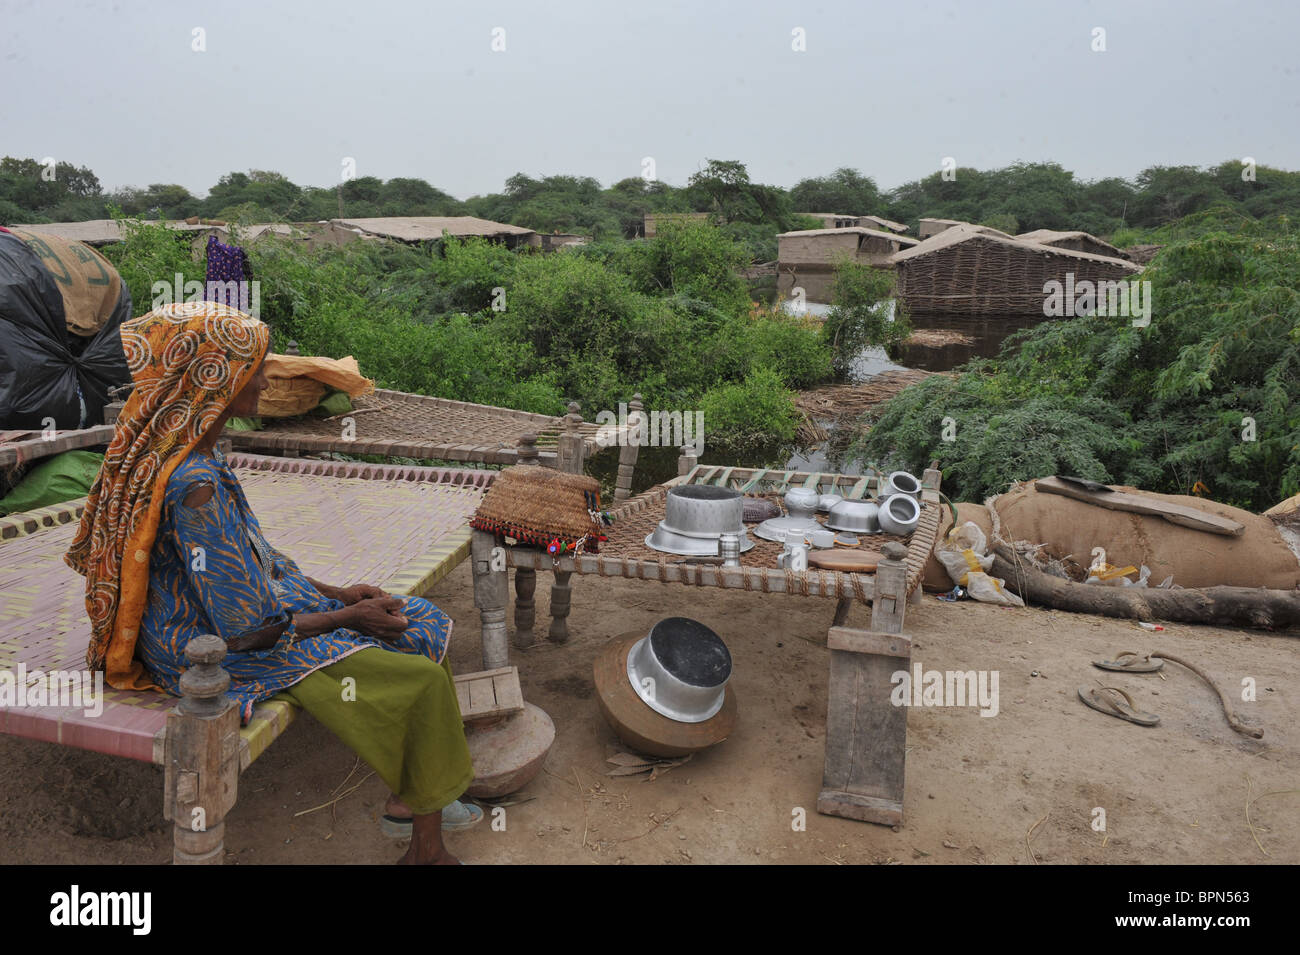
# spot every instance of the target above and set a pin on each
(227, 264)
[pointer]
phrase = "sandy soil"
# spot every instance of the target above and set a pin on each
(975, 786)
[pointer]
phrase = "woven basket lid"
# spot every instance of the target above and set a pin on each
(537, 505)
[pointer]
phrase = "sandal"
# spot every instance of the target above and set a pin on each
(1134, 663)
(1112, 706)
(456, 817)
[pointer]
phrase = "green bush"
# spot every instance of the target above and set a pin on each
(859, 314)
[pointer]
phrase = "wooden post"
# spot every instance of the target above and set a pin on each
(568, 458)
(526, 577)
(627, 454)
(201, 757)
(686, 460)
(291, 348)
(570, 451)
(866, 734)
(491, 594)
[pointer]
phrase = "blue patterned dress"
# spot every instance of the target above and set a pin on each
(212, 571)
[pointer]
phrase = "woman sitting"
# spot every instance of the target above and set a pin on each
(170, 550)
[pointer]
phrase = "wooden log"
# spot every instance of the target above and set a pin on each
(1120, 501)
(201, 757)
(1256, 607)
(866, 734)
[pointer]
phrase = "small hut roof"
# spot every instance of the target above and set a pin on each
(103, 231)
(959, 234)
(851, 230)
(887, 223)
(1050, 237)
(424, 228)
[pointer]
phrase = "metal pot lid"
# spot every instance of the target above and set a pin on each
(776, 528)
(671, 541)
(680, 670)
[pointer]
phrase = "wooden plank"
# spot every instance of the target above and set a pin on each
(1120, 501)
(489, 694)
(860, 488)
(726, 476)
(753, 481)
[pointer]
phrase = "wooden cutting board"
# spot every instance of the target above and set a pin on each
(849, 561)
(1120, 501)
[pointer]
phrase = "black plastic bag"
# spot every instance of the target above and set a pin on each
(46, 372)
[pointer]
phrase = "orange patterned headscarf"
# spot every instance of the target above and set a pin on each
(188, 361)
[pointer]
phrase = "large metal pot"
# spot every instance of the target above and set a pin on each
(900, 482)
(695, 516)
(680, 670)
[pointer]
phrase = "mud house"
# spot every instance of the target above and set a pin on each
(963, 270)
(808, 258)
(838, 220)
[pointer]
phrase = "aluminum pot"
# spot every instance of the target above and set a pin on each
(856, 517)
(900, 482)
(802, 501)
(680, 670)
(899, 514)
(698, 509)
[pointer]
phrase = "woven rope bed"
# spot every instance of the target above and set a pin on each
(402, 529)
(399, 424)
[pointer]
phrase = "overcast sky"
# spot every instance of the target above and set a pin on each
(414, 87)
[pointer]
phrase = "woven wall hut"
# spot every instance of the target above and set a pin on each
(1078, 241)
(972, 272)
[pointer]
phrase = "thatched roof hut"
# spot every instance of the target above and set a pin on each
(1078, 241)
(979, 272)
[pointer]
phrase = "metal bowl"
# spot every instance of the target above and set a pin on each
(856, 517)
(828, 501)
(680, 670)
(900, 482)
(899, 514)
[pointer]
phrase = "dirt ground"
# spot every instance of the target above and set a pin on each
(1175, 793)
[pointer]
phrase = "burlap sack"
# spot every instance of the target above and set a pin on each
(1260, 557)
(89, 284)
(299, 382)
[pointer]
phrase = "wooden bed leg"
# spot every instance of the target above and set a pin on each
(201, 757)
(687, 460)
(866, 734)
(561, 595)
(842, 611)
(525, 606)
(491, 594)
(627, 454)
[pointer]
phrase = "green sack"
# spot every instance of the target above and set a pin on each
(335, 402)
(63, 477)
(237, 423)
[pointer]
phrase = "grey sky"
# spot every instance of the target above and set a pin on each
(412, 88)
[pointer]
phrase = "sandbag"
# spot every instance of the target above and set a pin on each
(1071, 529)
(299, 382)
(46, 372)
(63, 477)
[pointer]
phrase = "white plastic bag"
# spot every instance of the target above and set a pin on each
(963, 557)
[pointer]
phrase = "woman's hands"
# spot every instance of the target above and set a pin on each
(377, 617)
(358, 592)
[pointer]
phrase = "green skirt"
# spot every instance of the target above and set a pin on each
(398, 712)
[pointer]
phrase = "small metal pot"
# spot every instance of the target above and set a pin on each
(900, 482)
(857, 517)
(899, 514)
(801, 501)
(828, 501)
